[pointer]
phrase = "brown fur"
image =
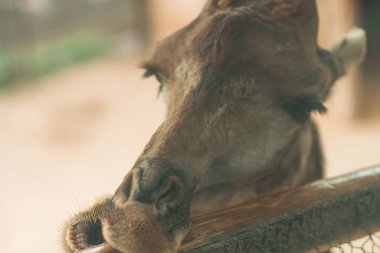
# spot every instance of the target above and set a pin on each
(241, 81)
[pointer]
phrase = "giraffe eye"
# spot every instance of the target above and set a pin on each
(151, 72)
(301, 108)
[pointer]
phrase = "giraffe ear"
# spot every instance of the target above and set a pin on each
(350, 49)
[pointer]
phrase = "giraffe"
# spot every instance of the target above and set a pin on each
(241, 82)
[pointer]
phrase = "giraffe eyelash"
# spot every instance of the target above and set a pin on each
(152, 71)
(301, 108)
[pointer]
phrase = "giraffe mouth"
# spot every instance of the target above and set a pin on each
(85, 235)
(83, 232)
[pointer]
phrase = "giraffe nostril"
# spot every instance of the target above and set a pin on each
(123, 192)
(129, 187)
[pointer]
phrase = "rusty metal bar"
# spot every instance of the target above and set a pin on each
(312, 218)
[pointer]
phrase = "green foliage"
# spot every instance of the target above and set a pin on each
(5, 68)
(19, 65)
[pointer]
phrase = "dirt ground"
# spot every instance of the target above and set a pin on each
(71, 138)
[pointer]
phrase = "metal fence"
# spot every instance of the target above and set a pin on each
(325, 216)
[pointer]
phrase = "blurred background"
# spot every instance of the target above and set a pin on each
(75, 112)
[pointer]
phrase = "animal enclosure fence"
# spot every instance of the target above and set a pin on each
(325, 216)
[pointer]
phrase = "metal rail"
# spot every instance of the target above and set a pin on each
(312, 218)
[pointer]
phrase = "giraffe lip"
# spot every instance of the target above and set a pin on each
(85, 235)
(84, 230)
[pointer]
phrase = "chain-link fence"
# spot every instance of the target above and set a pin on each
(370, 243)
(326, 216)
